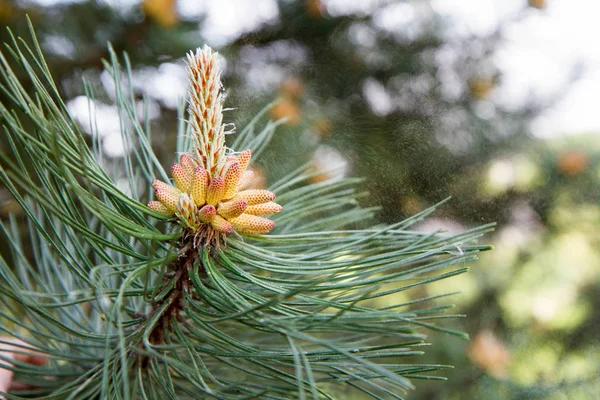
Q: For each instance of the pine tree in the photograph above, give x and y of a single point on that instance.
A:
(197, 294)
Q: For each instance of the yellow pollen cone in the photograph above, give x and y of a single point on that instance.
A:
(187, 163)
(244, 159)
(168, 195)
(232, 177)
(158, 207)
(232, 209)
(264, 209)
(255, 196)
(252, 224)
(199, 186)
(180, 177)
(221, 224)
(215, 191)
(207, 213)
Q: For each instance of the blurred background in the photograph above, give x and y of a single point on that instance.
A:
(492, 102)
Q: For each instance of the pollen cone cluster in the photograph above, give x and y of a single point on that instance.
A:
(208, 195)
(221, 202)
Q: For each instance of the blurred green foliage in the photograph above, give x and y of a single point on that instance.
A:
(377, 98)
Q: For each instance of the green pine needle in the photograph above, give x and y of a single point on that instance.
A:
(293, 314)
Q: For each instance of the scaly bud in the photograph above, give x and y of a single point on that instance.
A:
(221, 224)
(232, 177)
(232, 209)
(158, 207)
(255, 196)
(207, 213)
(181, 177)
(252, 224)
(168, 195)
(215, 191)
(264, 209)
(199, 186)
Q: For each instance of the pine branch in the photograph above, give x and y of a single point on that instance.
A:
(198, 295)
